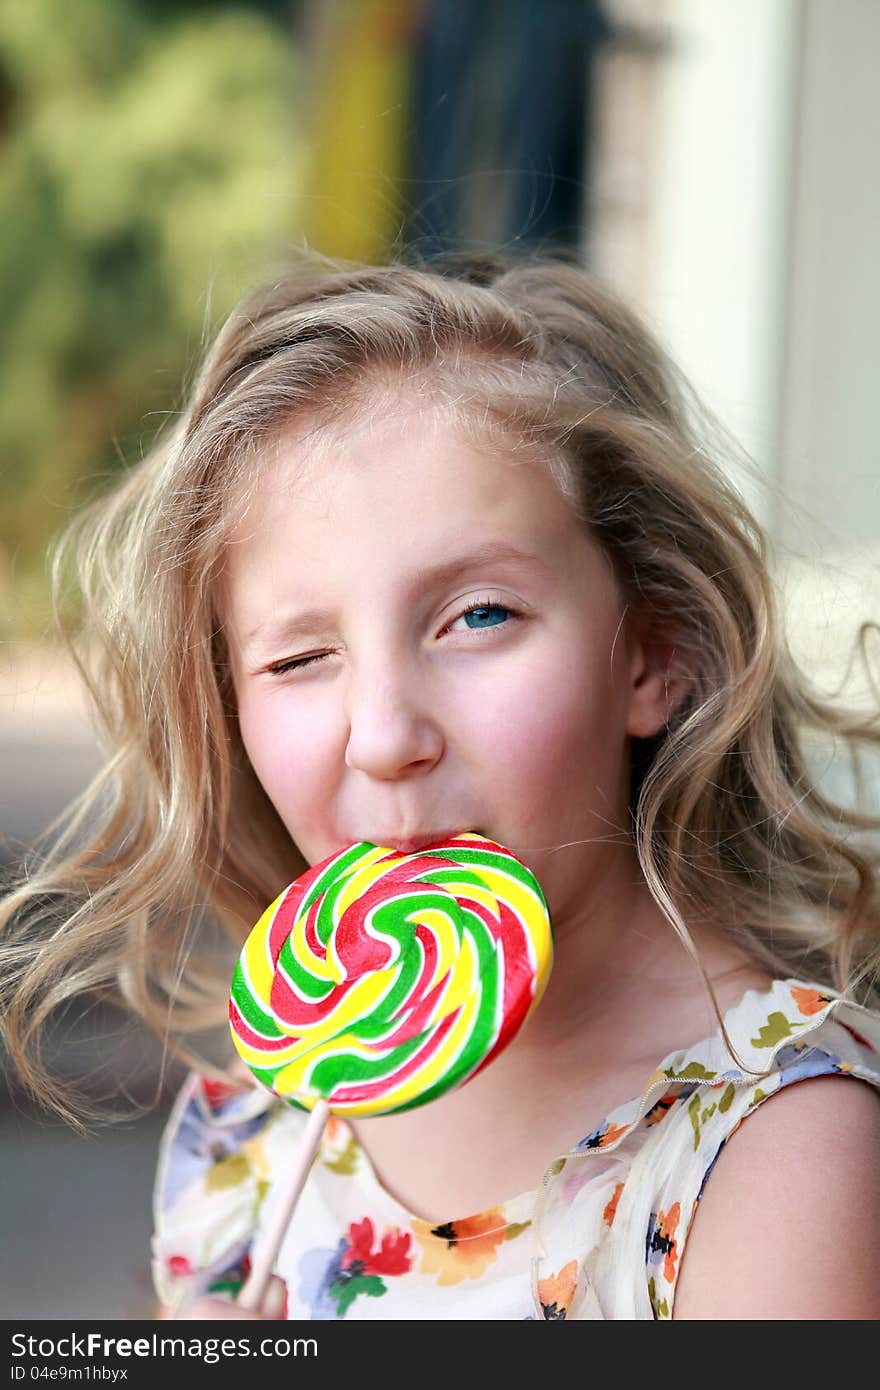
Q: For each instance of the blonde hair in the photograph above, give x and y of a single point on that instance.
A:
(175, 837)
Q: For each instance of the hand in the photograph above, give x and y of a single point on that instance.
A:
(208, 1309)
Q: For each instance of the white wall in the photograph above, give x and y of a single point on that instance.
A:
(717, 245)
(738, 205)
(830, 456)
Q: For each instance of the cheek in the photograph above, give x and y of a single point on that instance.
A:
(553, 737)
(285, 751)
(556, 751)
(548, 713)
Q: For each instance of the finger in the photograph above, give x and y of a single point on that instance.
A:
(219, 1309)
(273, 1307)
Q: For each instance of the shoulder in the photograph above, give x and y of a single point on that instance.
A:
(752, 1164)
(789, 1225)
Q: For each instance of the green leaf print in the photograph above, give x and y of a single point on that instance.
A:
(344, 1163)
(516, 1228)
(345, 1291)
(726, 1100)
(661, 1309)
(694, 1071)
(699, 1117)
(231, 1285)
(227, 1172)
(694, 1115)
(775, 1029)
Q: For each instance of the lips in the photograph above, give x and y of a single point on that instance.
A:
(423, 841)
(414, 843)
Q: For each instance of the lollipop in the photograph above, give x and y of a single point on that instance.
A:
(380, 980)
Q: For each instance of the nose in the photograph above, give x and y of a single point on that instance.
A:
(391, 726)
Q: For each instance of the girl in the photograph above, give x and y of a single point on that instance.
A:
(436, 547)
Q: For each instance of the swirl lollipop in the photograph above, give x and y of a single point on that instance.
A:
(379, 981)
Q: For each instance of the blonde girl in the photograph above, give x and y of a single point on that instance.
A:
(441, 546)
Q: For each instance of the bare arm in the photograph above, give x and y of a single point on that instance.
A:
(788, 1226)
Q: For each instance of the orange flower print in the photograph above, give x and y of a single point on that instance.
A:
(603, 1136)
(661, 1243)
(809, 1001)
(556, 1292)
(611, 1206)
(661, 1107)
(460, 1250)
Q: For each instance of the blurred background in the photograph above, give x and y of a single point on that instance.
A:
(714, 160)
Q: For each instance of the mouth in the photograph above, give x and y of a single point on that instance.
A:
(414, 843)
(423, 842)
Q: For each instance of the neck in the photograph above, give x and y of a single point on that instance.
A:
(622, 994)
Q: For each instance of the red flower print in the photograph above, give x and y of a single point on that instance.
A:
(392, 1257)
(216, 1092)
(862, 1042)
(178, 1265)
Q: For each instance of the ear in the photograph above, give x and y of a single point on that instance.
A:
(659, 681)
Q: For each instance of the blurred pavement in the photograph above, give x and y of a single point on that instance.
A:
(76, 1218)
(75, 1213)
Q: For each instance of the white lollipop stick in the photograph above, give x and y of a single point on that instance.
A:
(252, 1292)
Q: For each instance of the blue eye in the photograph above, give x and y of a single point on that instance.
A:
(482, 607)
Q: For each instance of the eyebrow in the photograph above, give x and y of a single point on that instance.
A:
(490, 553)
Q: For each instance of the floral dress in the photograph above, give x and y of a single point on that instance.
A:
(602, 1236)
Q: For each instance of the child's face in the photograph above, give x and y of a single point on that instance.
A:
(418, 720)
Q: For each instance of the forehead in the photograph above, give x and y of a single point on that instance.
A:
(409, 462)
(371, 506)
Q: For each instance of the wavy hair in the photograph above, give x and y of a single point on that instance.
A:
(174, 849)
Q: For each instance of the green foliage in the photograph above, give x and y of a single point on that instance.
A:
(149, 169)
